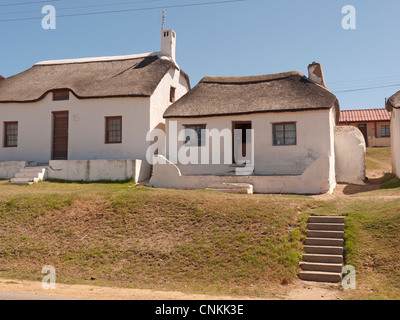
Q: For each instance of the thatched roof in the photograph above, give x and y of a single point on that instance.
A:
(87, 79)
(282, 92)
(393, 102)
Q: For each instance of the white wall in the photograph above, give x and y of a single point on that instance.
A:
(314, 139)
(95, 170)
(314, 180)
(350, 155)
(160, 98)
(86, 128)
(395, 141)
(10, 168)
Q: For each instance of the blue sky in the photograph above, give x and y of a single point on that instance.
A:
(232, 39)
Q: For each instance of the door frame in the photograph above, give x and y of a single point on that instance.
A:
(53, 114)
(234, 123)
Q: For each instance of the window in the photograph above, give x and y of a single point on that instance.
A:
(172, 94)
(60, 95)
(284, 134)
(385, 131)
(195, 136)
(10, 134)
(114, 129)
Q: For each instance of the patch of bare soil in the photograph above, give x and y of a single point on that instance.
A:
(103, 293)
(299, 290)
(305, 290)
(372, 183)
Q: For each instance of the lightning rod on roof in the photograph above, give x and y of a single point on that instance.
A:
(163, 19)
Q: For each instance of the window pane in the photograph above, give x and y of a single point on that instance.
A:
(195, 136)
(11, 135)
(290, 127)
(114, 127)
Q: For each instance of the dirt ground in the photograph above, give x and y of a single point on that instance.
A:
(299, 290)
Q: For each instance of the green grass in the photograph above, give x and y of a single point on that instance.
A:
(195, 241)
(390, 182)
(378, 158)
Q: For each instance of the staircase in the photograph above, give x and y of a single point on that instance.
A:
(242, 188)
(30, 175)
(323, 260)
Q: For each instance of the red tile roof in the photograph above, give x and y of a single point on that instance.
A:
(366, 115)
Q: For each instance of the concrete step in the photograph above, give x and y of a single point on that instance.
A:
(326, 226)
(27, 175)
(318, 276)
(324, 250)
(242, 188)
(325, 234)
(323, 258)
(325, 242)
(21, 181)
(32, 170)
(326, 219)
(324, 267)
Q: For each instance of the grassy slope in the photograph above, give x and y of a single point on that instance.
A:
(191, 240)
(197, 241)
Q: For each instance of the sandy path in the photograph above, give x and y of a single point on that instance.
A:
(299, 290)
(103, 293)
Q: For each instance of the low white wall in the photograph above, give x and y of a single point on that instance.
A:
(95, 170)
(350, 155)
(314, 180)
(8, 169)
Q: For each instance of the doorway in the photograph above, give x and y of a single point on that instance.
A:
(60, 136)
(363, 129)
(242, 143)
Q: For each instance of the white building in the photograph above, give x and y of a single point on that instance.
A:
(291, 148)
(87, 109)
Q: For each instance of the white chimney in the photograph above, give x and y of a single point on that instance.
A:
(168, 43)
(315, 73)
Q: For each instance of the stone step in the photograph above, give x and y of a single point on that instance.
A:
(21, 181)
(323, 267)
(326, 226)
(325, 242)
(27, 175)
(324, 249)
(323, 258)
(325, 234)
(326, 219)
(237, 191)
(242, 188)
(33, 170)
(319, 276)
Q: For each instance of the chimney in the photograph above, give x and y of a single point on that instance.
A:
(168, 43)
(315, 73)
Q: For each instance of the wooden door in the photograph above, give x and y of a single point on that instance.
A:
(60, 136)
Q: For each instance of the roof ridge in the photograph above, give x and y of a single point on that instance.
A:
(249, 79)
(98, 59)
